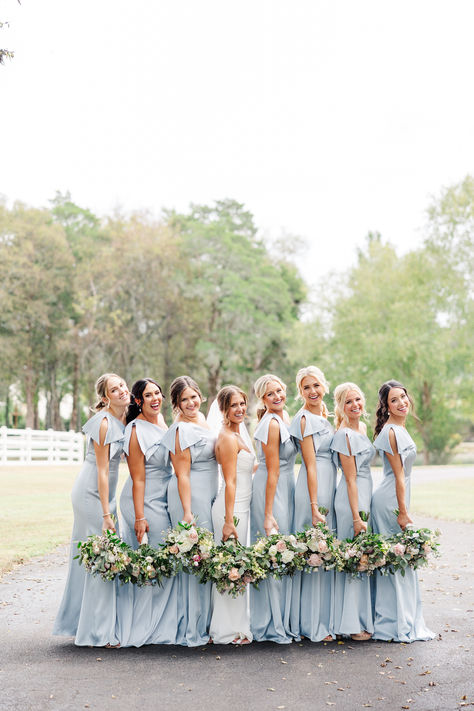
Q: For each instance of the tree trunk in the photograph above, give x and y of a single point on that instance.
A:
(29, 393)
(75, 414)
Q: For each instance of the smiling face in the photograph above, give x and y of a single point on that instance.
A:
(151, 401)
(353, 405)
(275, 397)
(189, 403)
(398, 403)
(237, 408)
(312, 391)
(117, 393)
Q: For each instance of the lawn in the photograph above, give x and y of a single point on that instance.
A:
(36, 514)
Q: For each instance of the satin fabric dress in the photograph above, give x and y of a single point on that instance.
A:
(270, 604)
(89, 604)
(352, 596)
(230, 616)
(194, 598)
(398, 612)
(149, 614)
(311, 604)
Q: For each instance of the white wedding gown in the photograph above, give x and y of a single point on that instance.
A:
(230, 616)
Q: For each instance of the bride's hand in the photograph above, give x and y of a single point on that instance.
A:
(229, 531)
(270, 525)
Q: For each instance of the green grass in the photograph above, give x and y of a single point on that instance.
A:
(36, 513)
(452, 499)
(35, 510)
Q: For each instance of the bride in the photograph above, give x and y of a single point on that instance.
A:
(230, 617)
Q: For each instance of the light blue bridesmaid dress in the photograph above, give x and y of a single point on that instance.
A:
(398, 613)
(148, 615)
(194, 599)
(311, 604)
(352, 596)
(88, 607)
(270, 604)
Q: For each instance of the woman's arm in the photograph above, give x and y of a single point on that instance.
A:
(271, 451)
(397, 467)
(309, 458)
(181, 461)
(136, 467)
(228, 451)
(349, 470)
(102, 458)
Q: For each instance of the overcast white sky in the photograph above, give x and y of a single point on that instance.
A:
(326, 118)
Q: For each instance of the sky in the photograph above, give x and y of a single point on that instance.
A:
(326, 118)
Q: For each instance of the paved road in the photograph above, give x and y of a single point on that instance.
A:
(40, 672)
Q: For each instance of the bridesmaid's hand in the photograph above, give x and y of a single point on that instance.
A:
(317, 516)
(108, 524)
(188, 518)
(359, 526)
(229, 531)
(403, 520)
(270, 524)
(141, 527)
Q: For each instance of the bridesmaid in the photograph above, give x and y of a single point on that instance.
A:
(147, 615)
(311, 605)
(191, 493)
(353, 453)
(88, 607)
(230, 619)
(398, 613)
(271, 508)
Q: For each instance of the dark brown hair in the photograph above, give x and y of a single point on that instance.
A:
(382, 413)
(138, 388)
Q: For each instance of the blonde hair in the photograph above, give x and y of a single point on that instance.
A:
(317, 373)
(101, 390)
(260, 389)
(340, 395)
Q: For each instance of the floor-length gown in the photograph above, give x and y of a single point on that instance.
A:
(148, 615)
(230, 616)
(352, 596)
(311, 604)
(194, 598)
(398, 613)
(88, 606)
(270, 604)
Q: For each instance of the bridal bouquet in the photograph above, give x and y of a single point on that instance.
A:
(187, 547)
(231, 567)
(412, 548)
(280, 554)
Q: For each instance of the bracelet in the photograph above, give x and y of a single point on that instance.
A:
(107, 514)
(140, 519)
(357, 519)
(313, 503)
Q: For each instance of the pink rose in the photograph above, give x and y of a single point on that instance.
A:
(196, 558)
(399, 549)
(314, 560)
(234, 574)
(174, 549)
(247, 579)
(193, 535)
(323, 547)
(281, 546)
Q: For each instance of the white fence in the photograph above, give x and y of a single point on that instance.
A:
(40, 446)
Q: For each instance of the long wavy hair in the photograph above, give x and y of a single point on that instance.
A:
(136, 399)
(382, 412)
(101, 390)
(317, 373)
(178, 386)
(224, 397)
(260, 388)
(340, 396)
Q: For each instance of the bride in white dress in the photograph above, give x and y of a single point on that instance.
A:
(230, 620)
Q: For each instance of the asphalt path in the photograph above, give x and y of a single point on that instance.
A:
(42, 672)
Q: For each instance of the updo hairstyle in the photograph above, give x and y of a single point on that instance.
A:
(101, 390)
(178, 386)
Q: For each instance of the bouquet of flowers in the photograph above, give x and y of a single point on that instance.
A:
(187, 547)
(366, 553)
(106, 555)
(280, 554)
(321, 547)
(231, 567)
(412, 548)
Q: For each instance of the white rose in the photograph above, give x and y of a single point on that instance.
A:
(287, 556)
